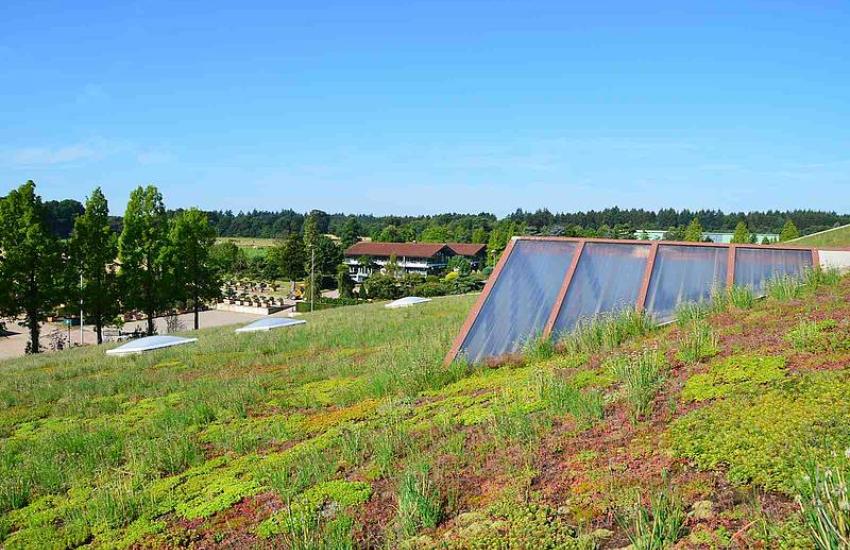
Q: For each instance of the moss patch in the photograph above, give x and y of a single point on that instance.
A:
(766, 438)
(736, 374)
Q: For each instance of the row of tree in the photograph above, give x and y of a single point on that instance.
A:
(159, 261)
(477, 228)
(693, 232)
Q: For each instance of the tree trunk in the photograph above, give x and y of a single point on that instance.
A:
(98, 328)
(34, 333)
(197, 324)
(150, 323)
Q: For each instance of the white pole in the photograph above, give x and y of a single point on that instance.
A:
(81, 309)
(312, 276)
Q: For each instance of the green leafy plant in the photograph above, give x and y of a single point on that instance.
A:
(317, 518)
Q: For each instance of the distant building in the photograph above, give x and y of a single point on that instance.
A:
(714, 236)
(419, 258)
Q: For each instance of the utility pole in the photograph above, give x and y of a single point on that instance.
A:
(81, 311)
(312, 276)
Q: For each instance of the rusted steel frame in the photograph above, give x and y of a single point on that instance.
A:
(479, 304)
(730, 265)
(562, 293)
(647, 275)
(782, 246)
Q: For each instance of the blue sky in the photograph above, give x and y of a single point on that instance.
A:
(424, 107)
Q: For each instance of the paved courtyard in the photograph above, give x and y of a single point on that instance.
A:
(15, 344)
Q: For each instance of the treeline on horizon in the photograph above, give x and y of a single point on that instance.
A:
(477, 227)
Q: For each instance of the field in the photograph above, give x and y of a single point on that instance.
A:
(348, 432)
(253, 246)
(839, 236)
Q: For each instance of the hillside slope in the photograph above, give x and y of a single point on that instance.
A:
(347, 432)
(840, 236)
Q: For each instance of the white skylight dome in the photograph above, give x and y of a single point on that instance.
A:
(269, 323)
(149, 343)
(407, 302)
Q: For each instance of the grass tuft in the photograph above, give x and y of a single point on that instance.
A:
(784, 288)
(658, 526)
(563, 397)
(641, 376)
(824, 498)
(697, 342)
(819, 277)
(419, 502)
(607, 332)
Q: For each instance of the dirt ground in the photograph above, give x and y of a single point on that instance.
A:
(15, 343)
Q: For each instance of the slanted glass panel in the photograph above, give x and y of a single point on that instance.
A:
(684, 274)
(521, 299)
(755, 266)
(607, 279)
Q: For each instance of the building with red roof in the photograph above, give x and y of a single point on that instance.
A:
(364, 258)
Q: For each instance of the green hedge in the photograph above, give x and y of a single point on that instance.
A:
(326, 303)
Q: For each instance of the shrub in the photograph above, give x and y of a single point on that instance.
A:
(419, 502)
(323, 302)
(429, 289)
(736, 374)
(697, 342)
(658, 526)
(824, 498)
(607, 331)
(641, 375)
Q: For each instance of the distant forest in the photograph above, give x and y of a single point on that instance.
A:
(477, 227)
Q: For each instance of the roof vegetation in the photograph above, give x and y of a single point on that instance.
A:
(349, 432)
(840, 236)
